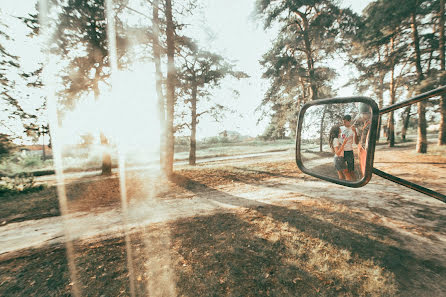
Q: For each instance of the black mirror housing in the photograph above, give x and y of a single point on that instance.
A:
(315, 116)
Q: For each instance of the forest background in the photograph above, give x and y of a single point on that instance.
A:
(103, 50)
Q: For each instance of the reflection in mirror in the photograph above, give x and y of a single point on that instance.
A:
(334, 140)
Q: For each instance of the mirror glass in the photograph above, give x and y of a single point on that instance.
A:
(334, 139)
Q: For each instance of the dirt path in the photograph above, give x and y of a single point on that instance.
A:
(410, 213)
(221, 228)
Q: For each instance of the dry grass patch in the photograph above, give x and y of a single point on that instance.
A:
(100, 193)
(335, 268)
(310, 247)
(265, 251)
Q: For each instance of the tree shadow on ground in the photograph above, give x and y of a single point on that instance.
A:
(406, 209)
(268, 173)
(256, 249)
(414, 275)
(221, 255)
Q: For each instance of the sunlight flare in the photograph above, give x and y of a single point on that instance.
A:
(48, 78)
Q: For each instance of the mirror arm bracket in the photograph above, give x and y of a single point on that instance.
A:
(410, 185)
(403, 182)
(421, 97)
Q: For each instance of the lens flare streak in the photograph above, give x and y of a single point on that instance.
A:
(48, 80)
(111, 36)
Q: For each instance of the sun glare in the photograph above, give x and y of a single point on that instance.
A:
(127, 114)
(134, 121)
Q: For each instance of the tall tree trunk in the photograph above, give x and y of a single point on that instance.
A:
(106, 157)
(171, 76)
(391, 129)
(442, 132)
(159, 86)
(321, 132)
(309, 54)
(390, 119)
(43, 147)
(293, 124)
(422, 128)
(380, 101)
(406, 119)
(193, 127)
(422, 124)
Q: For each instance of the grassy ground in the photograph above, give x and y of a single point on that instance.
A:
(230, 149)
(257, 252)
(83, 159)
(298, 247)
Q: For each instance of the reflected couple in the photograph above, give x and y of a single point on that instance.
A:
(345, 141)
(341, 140)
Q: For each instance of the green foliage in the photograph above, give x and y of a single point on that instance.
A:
(385, 43)
(274, 132)
(17, 164)
(217, 140)
(9, 68)
(397, 51)
(296, 65)
(31, 161)
(182, 140)
(201, 72)
(23, 183)
(81, 36)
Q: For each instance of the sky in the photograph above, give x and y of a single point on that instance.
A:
(240, 38)
(236, 36)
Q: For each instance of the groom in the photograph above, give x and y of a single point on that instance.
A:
(349, 131)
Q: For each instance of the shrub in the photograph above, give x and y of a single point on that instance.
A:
(215, 140)
(22, 183)
(31, 161)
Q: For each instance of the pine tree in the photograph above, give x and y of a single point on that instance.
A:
(81, 37)
(297, 64)
(202, 71)
(9, 63)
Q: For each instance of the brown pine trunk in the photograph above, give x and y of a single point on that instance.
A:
(406, 118)
(442, 131)
(391, 129)
(321, 132)
(193, 127)
(380, 102)
(309, 54)
(159, 86)
(390, 120)
(106, 157)
(422, 128)
(43, 147)
(293, 125)
(422, 124)
(170, 102)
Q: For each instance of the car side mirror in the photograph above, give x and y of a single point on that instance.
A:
(335, 139)
(324, 126)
